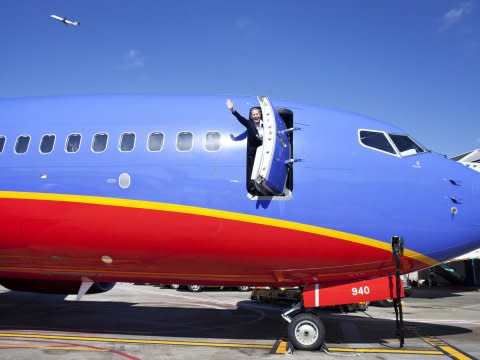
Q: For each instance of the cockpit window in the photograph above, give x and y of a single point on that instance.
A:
(376, 140)
(2, 143)
(405, 145)
(395, 144)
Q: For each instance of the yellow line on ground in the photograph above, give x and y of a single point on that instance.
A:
(51, 348)
(135, 341)
(281, 348)
(388, 351)
(445, 348)
(454, 352)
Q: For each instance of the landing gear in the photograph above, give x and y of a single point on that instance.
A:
(397, 251)
(306, 332)
(305, 329)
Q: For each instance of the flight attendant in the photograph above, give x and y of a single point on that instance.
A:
(254, 125)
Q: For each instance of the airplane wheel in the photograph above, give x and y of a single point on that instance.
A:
(194, 288)
(243, 288)
(306, 332)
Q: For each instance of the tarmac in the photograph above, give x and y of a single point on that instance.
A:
(148, 322)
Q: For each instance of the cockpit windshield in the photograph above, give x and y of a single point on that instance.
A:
(405, 145)
(376, 140)
(393, 144)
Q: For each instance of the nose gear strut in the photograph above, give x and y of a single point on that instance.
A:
(397, 251)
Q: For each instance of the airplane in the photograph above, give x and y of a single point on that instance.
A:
(65, 20)
(470, 159)
(98, 189)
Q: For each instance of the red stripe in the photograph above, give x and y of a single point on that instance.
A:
(63, 240)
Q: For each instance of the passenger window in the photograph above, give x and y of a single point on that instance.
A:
(99, 143)
(2, 143)
(47, 143)
(185, 141)
(21, 146)
(127, 142)
(73, 143)
(376, 140)
(212, 141)
(155, 141)
(406, 145)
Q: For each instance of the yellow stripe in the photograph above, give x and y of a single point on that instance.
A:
(453, 352)
(134, 341)
(445, 348)
(221, 214)
(282, 346)
(12, 347)
(388, 351)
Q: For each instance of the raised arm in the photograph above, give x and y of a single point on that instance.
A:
(230, 105)
(239, 117)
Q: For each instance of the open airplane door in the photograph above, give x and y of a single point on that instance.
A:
(271, 166)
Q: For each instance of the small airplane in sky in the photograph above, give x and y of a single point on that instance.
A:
(65, 20)
(146, 188)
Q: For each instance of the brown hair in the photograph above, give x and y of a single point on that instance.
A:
(255, 108)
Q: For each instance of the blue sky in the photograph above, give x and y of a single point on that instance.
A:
(415, 64)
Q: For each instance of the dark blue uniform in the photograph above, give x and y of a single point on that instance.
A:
(253, 142)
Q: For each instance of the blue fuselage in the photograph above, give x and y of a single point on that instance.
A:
(431, 202)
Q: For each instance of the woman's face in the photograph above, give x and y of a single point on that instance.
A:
(256, 116)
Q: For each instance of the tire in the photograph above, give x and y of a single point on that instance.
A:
(306, 332)
(174, 286)
(101, 287)
(243, 288)
(194, 288)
